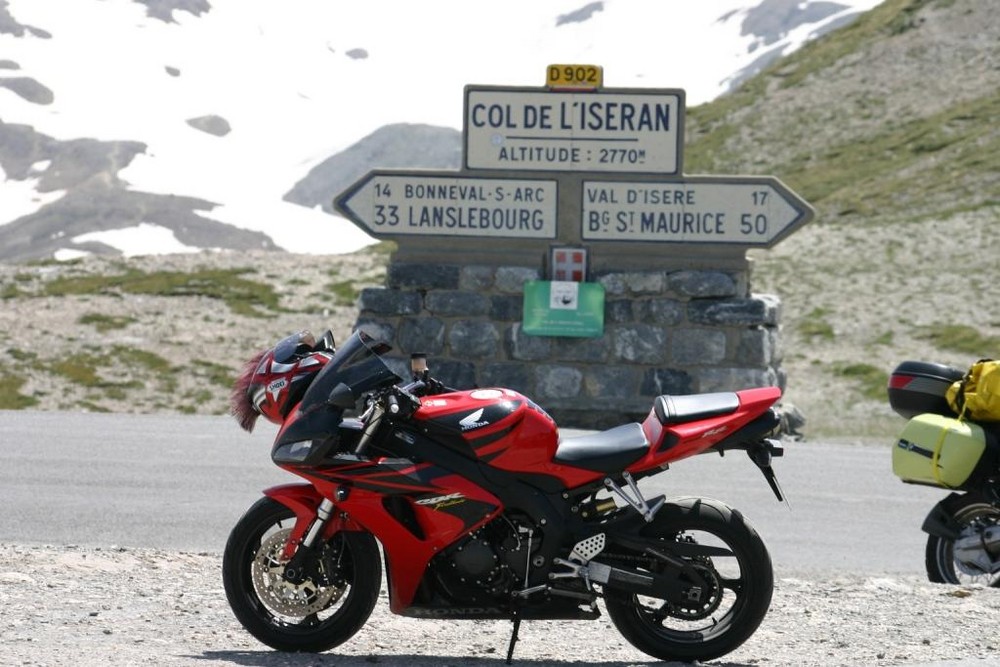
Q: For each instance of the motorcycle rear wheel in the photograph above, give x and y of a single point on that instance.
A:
(313, 616)
(742, 586)
(973, 514)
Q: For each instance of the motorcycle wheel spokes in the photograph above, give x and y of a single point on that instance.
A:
(945, 566)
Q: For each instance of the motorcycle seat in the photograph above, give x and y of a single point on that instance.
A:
(607, 451)
(692, 407)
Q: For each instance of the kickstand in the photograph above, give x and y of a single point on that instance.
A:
(513, 638)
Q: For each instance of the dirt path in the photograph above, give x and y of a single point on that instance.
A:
(90, 607)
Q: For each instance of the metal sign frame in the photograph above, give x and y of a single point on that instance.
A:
(608, 130)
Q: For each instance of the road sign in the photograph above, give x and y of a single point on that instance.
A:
(743, 210)
(605, 130)
(574, 77)
(389, 204)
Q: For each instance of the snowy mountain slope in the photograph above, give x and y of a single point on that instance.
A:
(231, 123)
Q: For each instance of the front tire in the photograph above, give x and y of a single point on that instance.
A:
(729, 613)
(322, 612)
(973, 514)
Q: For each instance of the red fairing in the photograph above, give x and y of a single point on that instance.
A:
(446, 507)
(505, 429)
(303, 499)
(694, 437)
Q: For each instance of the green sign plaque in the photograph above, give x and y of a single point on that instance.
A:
(563, 308)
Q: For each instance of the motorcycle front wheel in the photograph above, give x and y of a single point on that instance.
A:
(321, 612)
(725, 615)
(971, 565)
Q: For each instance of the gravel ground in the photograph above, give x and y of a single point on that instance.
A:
(94, 607)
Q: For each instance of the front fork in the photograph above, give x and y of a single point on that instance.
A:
(315, 518)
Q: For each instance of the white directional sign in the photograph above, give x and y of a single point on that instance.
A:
(607, 130)
(743, 210)
(388, 204)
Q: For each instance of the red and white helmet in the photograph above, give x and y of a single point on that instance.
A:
(274, 380)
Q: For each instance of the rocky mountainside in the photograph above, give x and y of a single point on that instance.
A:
(244, 147)
(887, 126)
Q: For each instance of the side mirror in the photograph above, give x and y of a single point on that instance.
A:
(341, 397)
(326, 342)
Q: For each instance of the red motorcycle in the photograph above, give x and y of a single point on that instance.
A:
(484, 512)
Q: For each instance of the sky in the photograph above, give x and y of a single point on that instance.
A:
(292, 86)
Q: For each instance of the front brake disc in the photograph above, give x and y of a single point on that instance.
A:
(282, 596)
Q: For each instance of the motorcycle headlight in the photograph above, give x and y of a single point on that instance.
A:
(292, 452)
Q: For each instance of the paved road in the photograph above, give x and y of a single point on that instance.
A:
(181, 482)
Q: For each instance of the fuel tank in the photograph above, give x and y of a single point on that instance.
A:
(498, 426)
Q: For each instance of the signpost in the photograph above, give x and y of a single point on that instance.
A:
(614, 159)
(565, 191)
(388, 204)
(606, 130)
(743, 210)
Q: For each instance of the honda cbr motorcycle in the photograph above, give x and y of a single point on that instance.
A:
(963, 529)
(483, 511)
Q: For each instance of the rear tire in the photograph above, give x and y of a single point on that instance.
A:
(973, 514)
(314, 615)
(739, 595)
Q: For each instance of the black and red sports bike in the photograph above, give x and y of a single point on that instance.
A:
(484, 512)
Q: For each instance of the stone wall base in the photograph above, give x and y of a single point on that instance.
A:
(665, 332)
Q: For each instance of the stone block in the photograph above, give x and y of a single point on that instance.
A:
(590, 350)
(758, 346)
(522, 347)
(422, 276)
(558, 381)
(669, 312)
(614, 284)
(378, 329)
(507, 307)
(618, 311)
(389, 301)
(754, 311)
(456, 303)
(519, 377)
(640, 343)
(473, 339)
(425, 334)
(702, 284)
(610, 382)
(645, 282)
(660, 381)
(512, 278)
(697, 347)
(475, 278)
(455, 374)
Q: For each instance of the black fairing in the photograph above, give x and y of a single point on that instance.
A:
(355, 368)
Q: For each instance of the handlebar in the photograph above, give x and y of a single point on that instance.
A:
(396, 401)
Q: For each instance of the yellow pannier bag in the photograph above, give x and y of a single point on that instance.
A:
(977, 395)
(938, 450)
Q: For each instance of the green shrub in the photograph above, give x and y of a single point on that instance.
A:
(10, 397)
(815, 326)
(104, 323)
(871, 380)
(243, 296)
(960, 338)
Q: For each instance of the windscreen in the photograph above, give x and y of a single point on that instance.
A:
(355, 368)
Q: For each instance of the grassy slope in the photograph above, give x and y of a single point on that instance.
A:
(888, 127)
